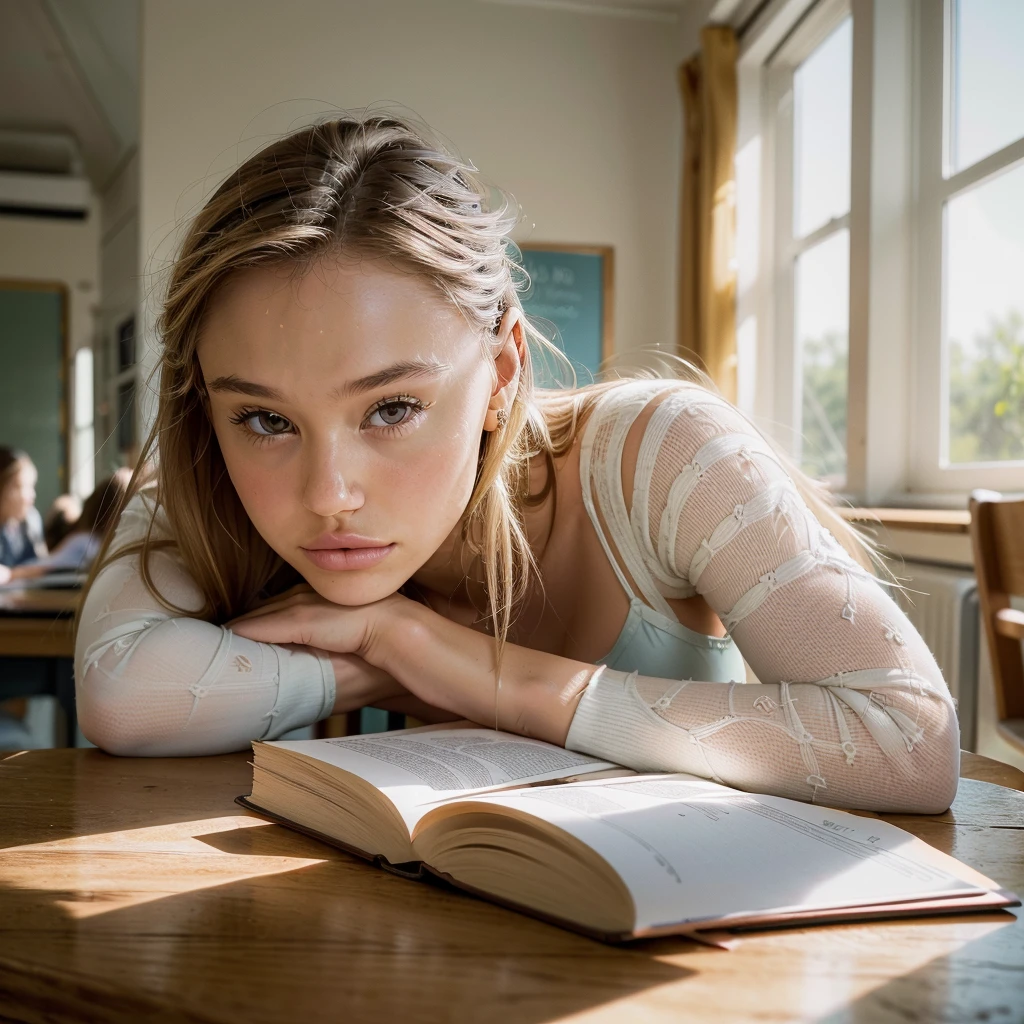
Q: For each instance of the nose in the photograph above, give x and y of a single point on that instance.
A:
(328, 489)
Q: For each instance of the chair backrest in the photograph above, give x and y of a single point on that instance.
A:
(997, 535)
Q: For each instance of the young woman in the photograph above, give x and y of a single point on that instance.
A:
(21, 527)
(346, 399)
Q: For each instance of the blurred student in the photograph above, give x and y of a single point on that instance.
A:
(78, 549)
(21, 526)
(60, 519)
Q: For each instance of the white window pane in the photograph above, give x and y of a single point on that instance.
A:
(822, 336)
(988, 78)
(83, 388)
(822, 92)
(748, 215)
(746, 364)
(985, 321)
(85, 459)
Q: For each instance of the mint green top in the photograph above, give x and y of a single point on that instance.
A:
(652, 641)
(654, 645)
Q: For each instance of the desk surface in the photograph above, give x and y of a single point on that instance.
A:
(136, 889)
(37, 623)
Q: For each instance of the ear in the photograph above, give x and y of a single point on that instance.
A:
(509, 356)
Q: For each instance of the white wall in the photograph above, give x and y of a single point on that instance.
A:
(578, 115)
(64, 251)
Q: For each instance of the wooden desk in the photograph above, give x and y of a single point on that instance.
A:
(37, 648)
(135, 889)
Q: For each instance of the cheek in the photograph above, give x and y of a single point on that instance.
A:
(264, 487)
(447, 473)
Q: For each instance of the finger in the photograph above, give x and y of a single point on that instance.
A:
(279, 626)
(326, 626)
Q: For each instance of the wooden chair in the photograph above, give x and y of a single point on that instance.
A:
(997, 535)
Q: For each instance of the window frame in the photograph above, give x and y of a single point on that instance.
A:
(899, 156)
(936, 184)
(786, 248)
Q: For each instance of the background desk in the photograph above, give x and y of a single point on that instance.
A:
(37, 649)
(135, 889)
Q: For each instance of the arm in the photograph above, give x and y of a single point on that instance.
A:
(155, 684)
(852, 709)
(26, 572)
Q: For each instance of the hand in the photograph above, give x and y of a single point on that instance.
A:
(5, 574)
(301, 616)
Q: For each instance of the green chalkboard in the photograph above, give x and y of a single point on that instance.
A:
(571, 287)
(32, 354)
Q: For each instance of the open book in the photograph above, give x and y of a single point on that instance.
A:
(594, 847)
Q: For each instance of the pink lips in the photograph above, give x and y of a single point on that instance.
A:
(337, 552)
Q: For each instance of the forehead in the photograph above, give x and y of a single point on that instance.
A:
(338, 317)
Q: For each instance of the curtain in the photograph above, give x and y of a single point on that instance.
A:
(707, 284)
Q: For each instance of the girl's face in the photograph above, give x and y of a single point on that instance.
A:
(349, 404)
(20, 493)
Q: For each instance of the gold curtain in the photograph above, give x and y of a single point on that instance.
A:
(707, 282)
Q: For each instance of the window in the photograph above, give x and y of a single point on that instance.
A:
(812, 98)
(889, 292)
(971, 245)
(83, 436)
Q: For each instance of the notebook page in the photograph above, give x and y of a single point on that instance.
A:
(691, 850)
(417, 770)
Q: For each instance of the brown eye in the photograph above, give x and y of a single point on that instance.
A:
(268, 423)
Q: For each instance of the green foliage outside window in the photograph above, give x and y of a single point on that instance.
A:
(986, 394)
(986, 399)
(825, 382)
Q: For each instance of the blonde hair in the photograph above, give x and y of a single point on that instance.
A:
(372, 186)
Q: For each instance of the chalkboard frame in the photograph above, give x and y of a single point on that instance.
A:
(14, 284)
(607, 254)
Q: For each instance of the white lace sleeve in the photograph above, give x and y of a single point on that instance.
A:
(155, 684)
(852, 710)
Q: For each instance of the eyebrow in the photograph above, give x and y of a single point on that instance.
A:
(398, 371)
(234, 383)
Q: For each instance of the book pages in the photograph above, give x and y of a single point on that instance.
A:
(417, 770)
(693, 851)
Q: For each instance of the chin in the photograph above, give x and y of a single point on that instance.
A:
(351, 590)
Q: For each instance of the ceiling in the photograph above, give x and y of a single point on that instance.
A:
(69, 68)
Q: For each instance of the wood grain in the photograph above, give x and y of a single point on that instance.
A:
(929, 520)
(37, 623)
(135, 889)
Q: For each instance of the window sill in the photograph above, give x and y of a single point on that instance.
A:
(924, 520)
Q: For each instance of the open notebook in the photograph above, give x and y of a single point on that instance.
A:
(594, 847)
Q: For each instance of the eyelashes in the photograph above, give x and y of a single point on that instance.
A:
(388, 417)
(407, 407)
(270, 424)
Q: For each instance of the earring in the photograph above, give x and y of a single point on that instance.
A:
(502, 418)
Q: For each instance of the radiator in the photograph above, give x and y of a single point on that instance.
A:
(942, 603)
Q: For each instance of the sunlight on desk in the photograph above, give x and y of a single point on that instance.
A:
(115, 870)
